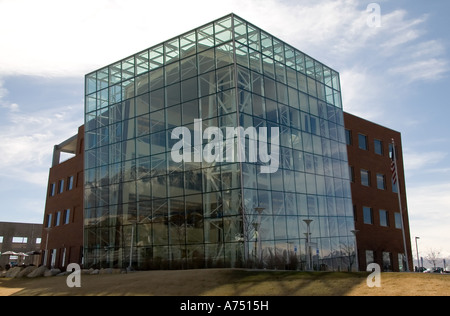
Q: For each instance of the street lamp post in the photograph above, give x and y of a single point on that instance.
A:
(355, 231)
(258, 253)
(418, 259)
(133, 222)
(308, 243)
(45, 259)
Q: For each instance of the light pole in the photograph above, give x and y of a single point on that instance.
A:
(418, 259)
(258, 253)
(308, 243)
(47, 229)
(133, 222)
(355, 231)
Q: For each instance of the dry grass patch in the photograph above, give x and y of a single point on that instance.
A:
(225, 282)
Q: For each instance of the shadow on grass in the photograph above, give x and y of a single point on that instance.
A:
(214, 282)
(288, 283)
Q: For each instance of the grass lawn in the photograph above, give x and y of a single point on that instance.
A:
(222, 282)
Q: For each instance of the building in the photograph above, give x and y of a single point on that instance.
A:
(62, 231)
(375, 200)
(156, 198)
(159, 195)
(22, 241)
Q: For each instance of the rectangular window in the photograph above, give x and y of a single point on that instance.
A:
(352, 173)
(365, 177)
(38, 240)
(58, 219)
(61, 186)
(70, 183)
(398, 221)
(63, 260)
(67, 216)
(53, 258)
(387, 265)
(20, 240)
(49, 220)
(1, 239)
(381, 181)
(384, 218)
(348, 137)
(378, 147)
(369, 257)
(52, 189)
(367, 213)
(362, 141)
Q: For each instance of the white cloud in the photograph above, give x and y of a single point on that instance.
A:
(28, 140)
(419, 160)
(427, 70)
(428, 206)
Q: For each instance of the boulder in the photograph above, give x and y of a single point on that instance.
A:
(52, 272)
(25, 272)
(38, 272)
(13, 272)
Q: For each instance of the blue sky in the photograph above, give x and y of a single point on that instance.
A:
(396, 75)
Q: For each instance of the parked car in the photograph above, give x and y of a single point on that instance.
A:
(433, 270)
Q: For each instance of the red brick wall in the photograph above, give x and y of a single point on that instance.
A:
(66, 236)
(375, 237)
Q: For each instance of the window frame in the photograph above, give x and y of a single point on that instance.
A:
(380, 146)
(368, 178)
(384, 215)
(383, 181)
(366, 208)
(366, 141)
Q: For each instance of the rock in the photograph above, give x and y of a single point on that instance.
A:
(38, 272)
(52, 272)
(96, 271)
(14, 272)
(25, 272)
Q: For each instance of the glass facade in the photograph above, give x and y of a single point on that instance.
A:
(145, 210)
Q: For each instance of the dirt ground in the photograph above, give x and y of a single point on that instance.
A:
(219, 282)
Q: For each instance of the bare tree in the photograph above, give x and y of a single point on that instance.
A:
(433, 256)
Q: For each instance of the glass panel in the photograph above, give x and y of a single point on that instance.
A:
(128, 68)
(102, 78)
(188, 67)
(205, 38)
(157, 79)
(172, 73)
(266, 43)
(188, 45)
(173, 95)
(91, 83)
(115, 73)
(223, 29)
(189, 90)
(309, 64)
(242, 55)
(142, 64)
(142, 84)
(224, 55)
(172, 51)
(156, 57)
(278, 49)
(225, 78)
(206, 61)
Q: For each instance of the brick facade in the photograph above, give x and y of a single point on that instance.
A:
(379, 233)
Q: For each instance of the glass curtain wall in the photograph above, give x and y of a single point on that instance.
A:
(146, 211)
